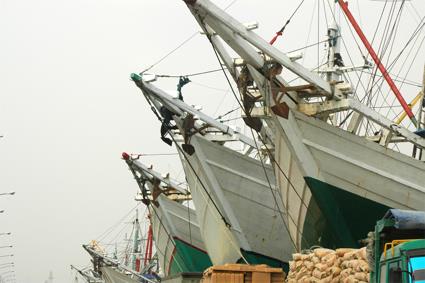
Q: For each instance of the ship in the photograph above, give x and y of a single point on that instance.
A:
(174, 226)
(336, 178)
(234, 193)
(324, 162)
(124, 265)
(325, 172)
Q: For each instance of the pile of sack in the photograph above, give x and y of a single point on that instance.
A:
(329, 266)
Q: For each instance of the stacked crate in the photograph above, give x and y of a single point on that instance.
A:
(243, 273)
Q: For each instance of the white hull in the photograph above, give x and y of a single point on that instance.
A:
(356, 165)
(239, 188)
(296, 195)
(172, 220)
(110, 275)
(308, 147)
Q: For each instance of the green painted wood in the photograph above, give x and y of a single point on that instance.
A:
(187, 258)
(255, 258)
(347, 217)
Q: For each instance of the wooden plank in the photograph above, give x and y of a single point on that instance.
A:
(261, 277)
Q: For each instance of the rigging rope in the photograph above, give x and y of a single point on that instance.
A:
(109, 230)
(189, 75)
(180, 45)
(169, 53)
(164, 253)
(243, 109)
(280, 32)
(203, 186)
(226, 223)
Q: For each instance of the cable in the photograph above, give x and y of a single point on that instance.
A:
(152, 154)
(241, 106)
(280, 32)
(164, 254)
(311, 45)
(227, 113)
(227, 224)
(202, 185)
(180, 45)
(104, 234)
(189, 75)
(271, 190)
(169, 53)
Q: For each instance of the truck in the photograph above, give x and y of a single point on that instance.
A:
(397, 247)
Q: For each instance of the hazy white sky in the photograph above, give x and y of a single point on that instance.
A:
(68, 110)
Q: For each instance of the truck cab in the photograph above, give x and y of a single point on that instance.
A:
(397, 250)
(404, 262)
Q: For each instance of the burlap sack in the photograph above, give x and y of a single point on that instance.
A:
(361, 254)
(361, 276)
(341, 252)
(335, 270)
(329, 259)
(349, 255)
(321, 266)
(345, 273)
(326, 279)
(309, 265)
(319, 274)
(320, 252)
(298, 264)
(350, 279)
(315, 259)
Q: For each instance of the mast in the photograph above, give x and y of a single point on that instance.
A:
(149, 242)
(334, 55)
(135, 264)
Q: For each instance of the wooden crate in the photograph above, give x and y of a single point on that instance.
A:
(243, 273)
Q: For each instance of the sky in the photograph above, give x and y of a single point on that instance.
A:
(68, 109)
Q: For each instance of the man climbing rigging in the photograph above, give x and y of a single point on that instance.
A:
(167, 115)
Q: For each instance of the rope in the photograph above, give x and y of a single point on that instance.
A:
(171, 240)
(280, 32)
(109, 230)
(227, 224)
(203, 186)
(189, 75)
(169, 53)
(180, 45)
(137, 155)
(241, 106)
(227, 113)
